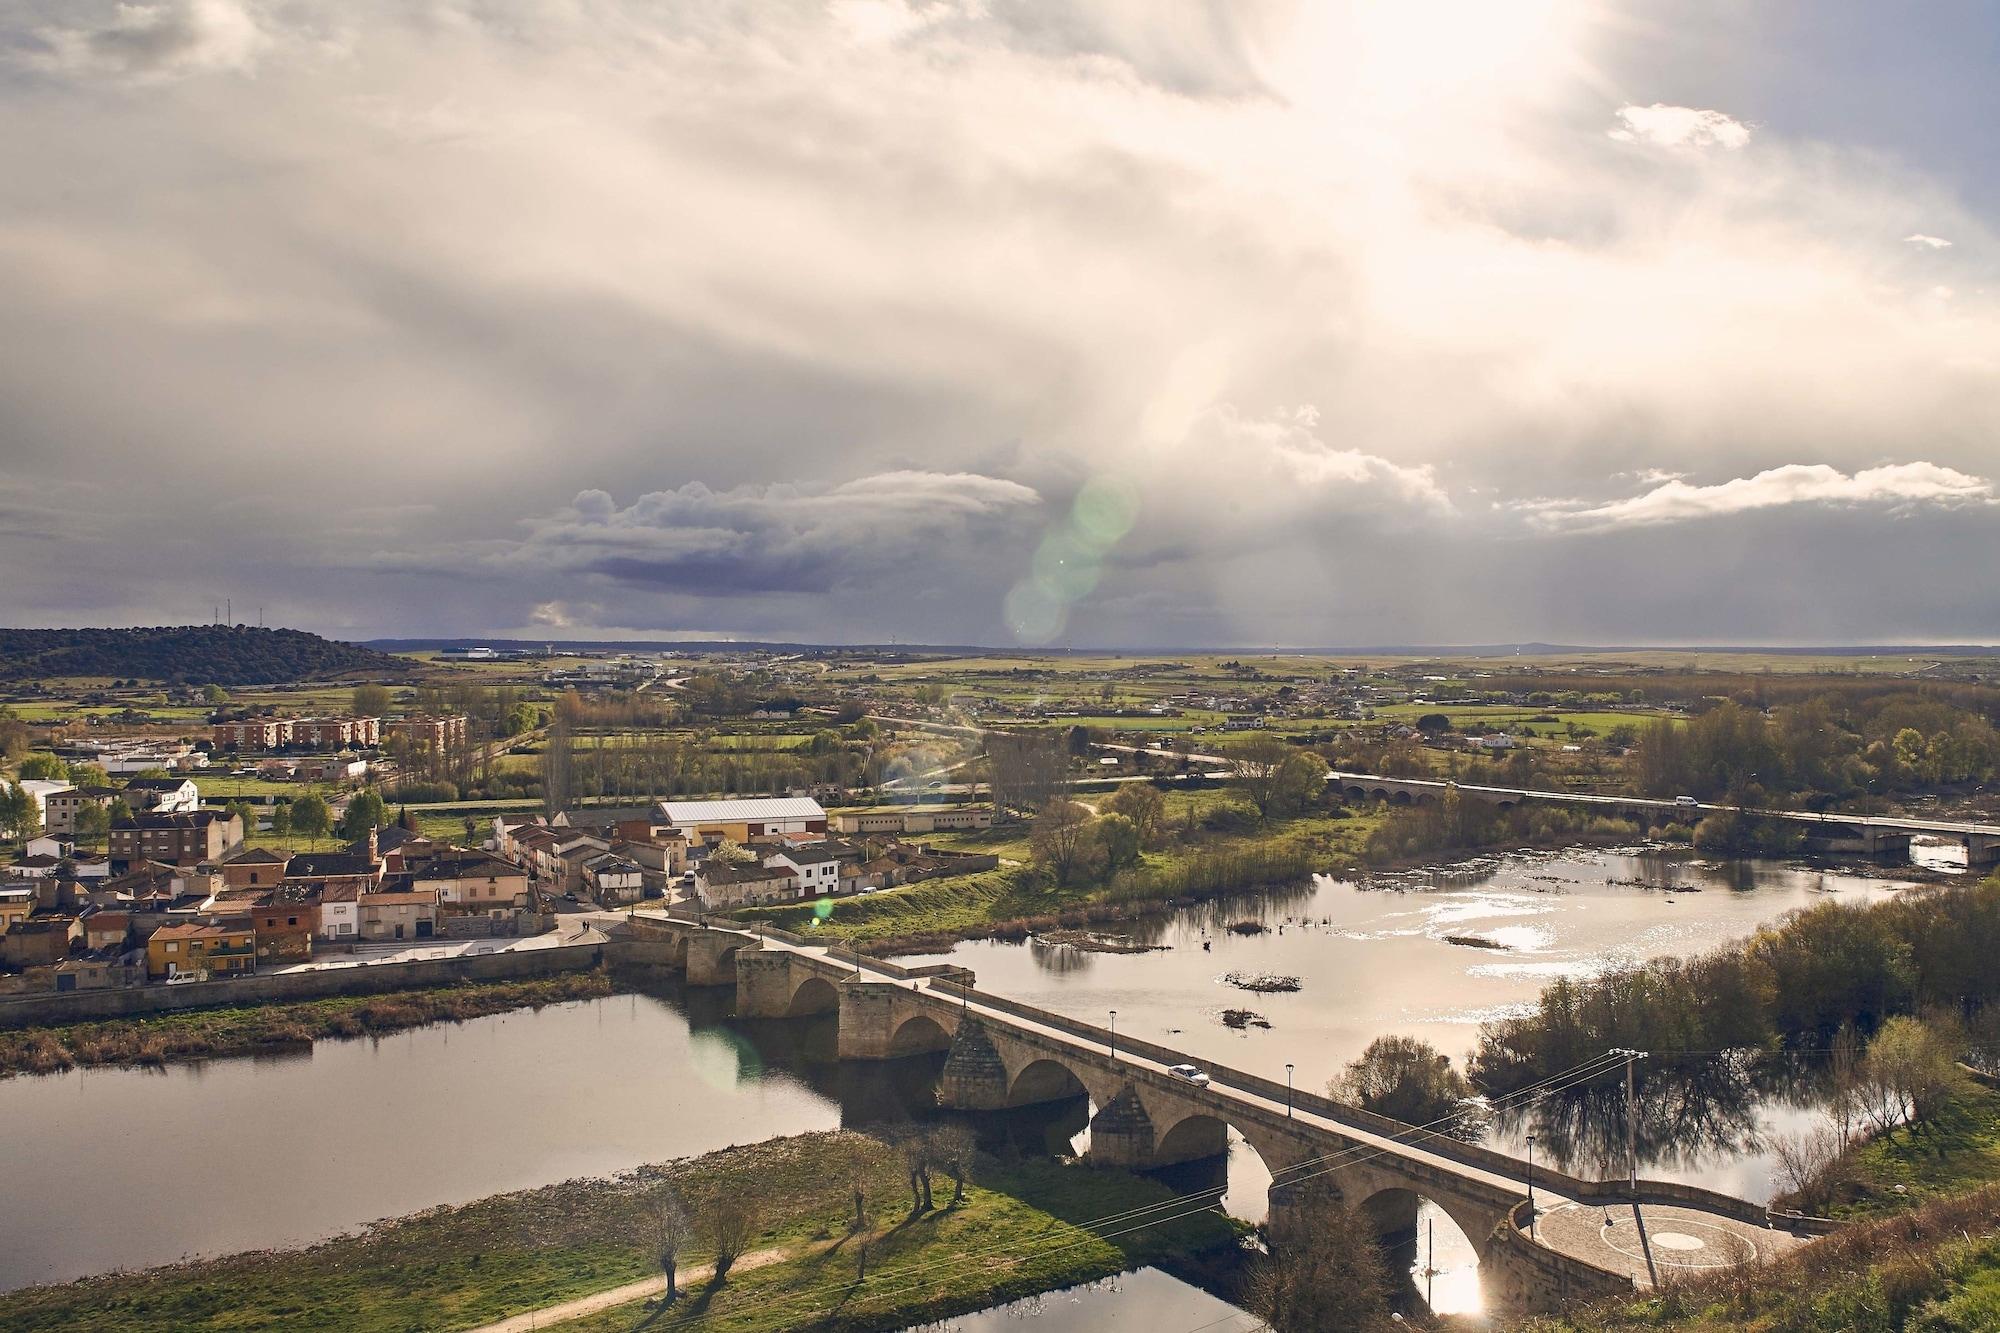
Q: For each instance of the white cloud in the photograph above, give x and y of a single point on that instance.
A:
(166, 40)
(1931, 242)
(1893, 485)
(1679, 127)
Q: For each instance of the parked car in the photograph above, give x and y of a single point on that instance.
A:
(1189, 1073)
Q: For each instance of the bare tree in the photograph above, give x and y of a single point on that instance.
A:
(914, 1147)
(1325, 1272)
(558, 765)
(1027, 769)
(953, 1147)
(731, 1220)
(1804, 1166)
(1061, 840)
(671, 1232)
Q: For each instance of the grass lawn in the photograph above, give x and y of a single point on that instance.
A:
(1955, 1150)
(460, 1267)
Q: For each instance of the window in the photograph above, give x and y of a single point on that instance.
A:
(173, 946)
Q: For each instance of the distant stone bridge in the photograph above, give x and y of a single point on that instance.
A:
(1885, 837)
(1001, 1054)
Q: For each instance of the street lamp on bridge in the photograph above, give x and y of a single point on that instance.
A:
(1114, 1034)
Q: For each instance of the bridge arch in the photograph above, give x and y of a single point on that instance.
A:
(1044, 1080)
(916, 1034)
(814, 995)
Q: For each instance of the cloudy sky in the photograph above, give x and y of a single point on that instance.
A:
(1102, 322)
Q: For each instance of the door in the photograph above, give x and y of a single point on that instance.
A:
(423, 930)
(399, 932)
(65, 981)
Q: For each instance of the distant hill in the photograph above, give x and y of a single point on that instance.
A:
(187, 654)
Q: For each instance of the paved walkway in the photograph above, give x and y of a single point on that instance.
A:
(644, 1289)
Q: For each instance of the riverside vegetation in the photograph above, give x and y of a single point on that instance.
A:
(244, 1030)
(819, 1201)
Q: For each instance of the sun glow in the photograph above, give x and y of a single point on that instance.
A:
(1397, 56)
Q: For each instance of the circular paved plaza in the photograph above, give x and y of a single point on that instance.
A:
(1657, 1238)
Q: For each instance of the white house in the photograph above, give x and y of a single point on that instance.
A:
(340, 912)
(39, 790)
(813, 866)
(162, 796)
(615, 880)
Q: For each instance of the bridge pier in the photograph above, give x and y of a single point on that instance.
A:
(1393, 1214)
(711, 958)
(1121, 1133)
(1982, 851)
(974, 1077)
(763, 984)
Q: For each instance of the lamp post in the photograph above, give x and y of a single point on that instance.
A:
(1531, 1187)
(1288, 1090)
(1114, 1034)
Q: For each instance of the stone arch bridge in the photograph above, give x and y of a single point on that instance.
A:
(1002, 1054)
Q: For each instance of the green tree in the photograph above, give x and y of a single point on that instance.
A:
(281, 821)
(1116, 841)
(311, 817)
(1142, 803)
(17, 812)
(89, 775)
(365, 811)
(92, 824)
(371, 700)
(45, 767)
(1407, 1080)
(214, 694)
(246, 812)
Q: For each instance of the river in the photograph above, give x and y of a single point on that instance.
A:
(287, 1150)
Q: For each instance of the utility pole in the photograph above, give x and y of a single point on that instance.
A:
(1632, 1059)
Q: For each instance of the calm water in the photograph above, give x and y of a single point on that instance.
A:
(1145, 1301)
(350, 1131)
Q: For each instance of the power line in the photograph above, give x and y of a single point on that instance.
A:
(1201, 1200)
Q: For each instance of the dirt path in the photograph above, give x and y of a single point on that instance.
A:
(625, 1295)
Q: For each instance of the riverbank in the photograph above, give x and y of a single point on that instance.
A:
(1020, 1228)
(253, 1029)
(1925, 1259)
(1211, 845)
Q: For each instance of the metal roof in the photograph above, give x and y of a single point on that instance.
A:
(739, 811)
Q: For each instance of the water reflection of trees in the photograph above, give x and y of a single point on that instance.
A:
(1688, 1116)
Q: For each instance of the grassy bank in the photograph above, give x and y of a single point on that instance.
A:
(1932, 1269)
(245, 1030)
(1215, 847)
(458, 1268)
(1954, 1150)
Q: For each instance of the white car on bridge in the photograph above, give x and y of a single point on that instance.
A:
(1190, 1074)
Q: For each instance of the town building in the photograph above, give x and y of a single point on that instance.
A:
(724, 886)
(613, 880)
(255, 868)
(256, 733)
(39, 790)
(39, 941)
(199, 950)
(176, 839)
(897, 819)
(162, 796)
(336, 733)
(433, 733)
(59, 809)
(284, 929)
(741, 819)
(399, 916)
